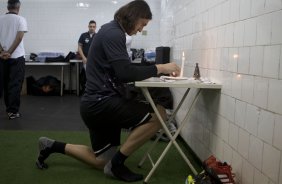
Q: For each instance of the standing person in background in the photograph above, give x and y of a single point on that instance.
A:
(84, 43)
(12, 30)
(1, 73)
(104, 107)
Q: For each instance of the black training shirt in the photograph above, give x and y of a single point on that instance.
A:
(85, 40)
(108, 64)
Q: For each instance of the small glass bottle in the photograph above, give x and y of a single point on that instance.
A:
(197, 75)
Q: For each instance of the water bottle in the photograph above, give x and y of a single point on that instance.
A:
(189, 180)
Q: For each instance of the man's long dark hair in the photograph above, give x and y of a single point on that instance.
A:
(129, 14)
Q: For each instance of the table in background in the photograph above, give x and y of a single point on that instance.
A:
(188, 84)
(77, 62)
(62, 64)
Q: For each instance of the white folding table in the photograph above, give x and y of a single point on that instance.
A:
(77, 62)
(188, 84)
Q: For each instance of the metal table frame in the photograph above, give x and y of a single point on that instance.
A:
(77, 62)
(188, 84)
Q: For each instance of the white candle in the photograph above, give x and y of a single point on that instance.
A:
(182, 64)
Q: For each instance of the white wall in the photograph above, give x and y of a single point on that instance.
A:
(237, 43)
(57, 25)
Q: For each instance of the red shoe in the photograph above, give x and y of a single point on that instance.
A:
(220, 172)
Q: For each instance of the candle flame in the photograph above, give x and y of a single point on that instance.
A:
(182, 64)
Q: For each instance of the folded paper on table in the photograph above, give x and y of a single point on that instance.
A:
(173, 78)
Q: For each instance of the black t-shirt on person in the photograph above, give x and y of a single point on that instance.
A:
(109, 67)
(85, 40)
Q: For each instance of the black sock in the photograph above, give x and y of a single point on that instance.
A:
(120, 171)
(118, 159)
(57, 147)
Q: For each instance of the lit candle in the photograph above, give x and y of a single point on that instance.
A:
(182, 64)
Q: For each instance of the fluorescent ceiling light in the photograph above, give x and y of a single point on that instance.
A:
(82, 5)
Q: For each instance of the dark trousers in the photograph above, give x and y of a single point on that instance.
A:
(1, 78)
(13, 77)
(82, 78)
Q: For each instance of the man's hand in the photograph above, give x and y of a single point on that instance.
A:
(5, 55)
(169, 68)
(84, 60)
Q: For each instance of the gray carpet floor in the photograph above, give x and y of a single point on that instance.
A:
(45, 113)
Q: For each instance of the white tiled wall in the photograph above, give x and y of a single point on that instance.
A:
(57, 25)
(239, 44)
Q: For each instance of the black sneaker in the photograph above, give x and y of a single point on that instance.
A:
(13, 115)
(121, 172)
(44, 149)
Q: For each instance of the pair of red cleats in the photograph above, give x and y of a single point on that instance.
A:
(218, 171)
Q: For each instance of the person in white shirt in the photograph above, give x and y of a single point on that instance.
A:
(12, 30)
(1, 73)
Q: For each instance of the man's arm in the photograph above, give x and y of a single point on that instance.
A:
(17, 41)
(4, 54)
(80, 51)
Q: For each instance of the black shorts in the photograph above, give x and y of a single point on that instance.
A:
(106, 118)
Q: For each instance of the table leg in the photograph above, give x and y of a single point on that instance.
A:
(147, 154)
(172, 138)
(77, 79)
(70, 78)
(62, 80)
